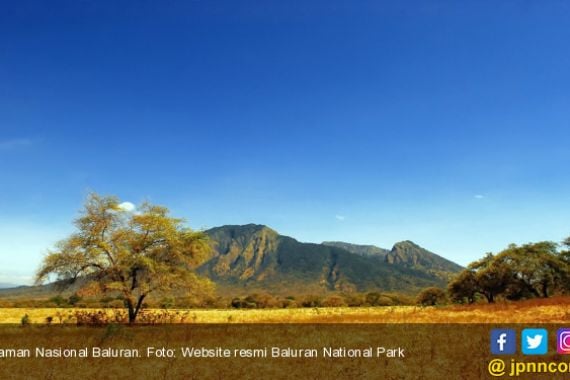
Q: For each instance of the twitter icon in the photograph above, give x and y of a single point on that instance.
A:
(534, 341)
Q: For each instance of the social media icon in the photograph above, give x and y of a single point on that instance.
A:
(534, 341)
(563, 341)
(503, 341)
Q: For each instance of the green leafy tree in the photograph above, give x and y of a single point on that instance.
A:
(134, 253)
(73, 299)
(492, 276)
(526, 271)
(432, 296)
(537, 269)
(463, 288)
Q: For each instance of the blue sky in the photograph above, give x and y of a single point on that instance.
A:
(446, 123)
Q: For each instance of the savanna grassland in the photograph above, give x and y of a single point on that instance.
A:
(439, 342)
(550, 310)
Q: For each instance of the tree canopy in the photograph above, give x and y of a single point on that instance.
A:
(431, 296)
(132, 252)
(518, 272)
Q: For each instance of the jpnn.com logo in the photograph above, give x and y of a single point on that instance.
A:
(503, 342)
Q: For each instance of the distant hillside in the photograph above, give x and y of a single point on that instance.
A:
(4, 285)
(256, 258)
(363, 250)
(405, 253)
(411, 255)
(35, 292)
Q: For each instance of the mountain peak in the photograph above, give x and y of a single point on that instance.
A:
(241, 229)
(410, 254)
(242, 252)
(405, 244)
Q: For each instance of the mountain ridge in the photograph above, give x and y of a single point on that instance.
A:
(254, 257)
(5, 285)
(359, 249)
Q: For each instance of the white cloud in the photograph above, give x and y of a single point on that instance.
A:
(127, 206)
(11, 144)
(340, 218)
(479, 196)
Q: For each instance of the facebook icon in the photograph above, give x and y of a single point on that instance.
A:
(503, 341)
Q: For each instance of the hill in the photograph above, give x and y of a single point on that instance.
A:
(256, 258)
(407, 254)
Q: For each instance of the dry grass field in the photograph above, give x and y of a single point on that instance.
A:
(552, 310)
(432, 351)
(428, 356)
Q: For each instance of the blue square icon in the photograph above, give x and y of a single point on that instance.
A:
(503, 341)
(534, 341)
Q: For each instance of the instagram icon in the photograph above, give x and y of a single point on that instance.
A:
(563, 341)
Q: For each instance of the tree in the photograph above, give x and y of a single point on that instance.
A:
(463, 288)
(537, 269)
(334, 300)
(431, 296)
(518, 272)
(492, 276)
(134, 253)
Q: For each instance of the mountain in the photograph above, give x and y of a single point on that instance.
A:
(4, 285)
(254, 257)
(363, 250)
(409, 254)
(405, 253)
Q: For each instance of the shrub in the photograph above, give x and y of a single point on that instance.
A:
(58, 300)
(333, 301)
(354, 299)
(25, 321)
(432, 296)
(73, 299)
(311, 301)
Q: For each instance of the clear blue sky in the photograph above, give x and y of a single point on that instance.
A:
(442, 122)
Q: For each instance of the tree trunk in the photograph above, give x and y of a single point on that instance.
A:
(533, 290)
(139, 306)
(132, 312)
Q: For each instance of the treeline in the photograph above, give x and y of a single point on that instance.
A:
(264, 300)
(535, 270)
(253, 301)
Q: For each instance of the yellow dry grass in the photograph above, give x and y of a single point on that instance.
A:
(554, 310)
